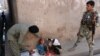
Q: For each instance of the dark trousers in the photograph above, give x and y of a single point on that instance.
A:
(2, 47)
(56, 49)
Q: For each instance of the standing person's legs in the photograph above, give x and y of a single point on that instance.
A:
(90, 43)
(80, 36)
(79, 39)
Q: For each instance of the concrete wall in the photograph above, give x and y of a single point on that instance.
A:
(55, 18)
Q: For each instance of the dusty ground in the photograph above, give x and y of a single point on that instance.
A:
(81, 50)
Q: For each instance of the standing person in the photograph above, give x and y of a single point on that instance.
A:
(2, 29)
(22, 37)
(87, 27)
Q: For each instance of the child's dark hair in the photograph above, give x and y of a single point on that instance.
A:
(92, 3)
(33, 29)
(39, 42)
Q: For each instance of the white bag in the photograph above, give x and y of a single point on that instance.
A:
(27, 53)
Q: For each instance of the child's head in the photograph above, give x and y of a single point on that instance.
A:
(90, 5)
(41, 41)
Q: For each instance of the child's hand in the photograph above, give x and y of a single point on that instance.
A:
(60, 50)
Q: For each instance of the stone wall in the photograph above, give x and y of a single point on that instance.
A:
(55, 18)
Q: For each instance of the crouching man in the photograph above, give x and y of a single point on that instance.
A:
(22, 38)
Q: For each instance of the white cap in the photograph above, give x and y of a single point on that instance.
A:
(56, 42)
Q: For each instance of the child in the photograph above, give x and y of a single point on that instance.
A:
(41, 47)
(54, 47)
(50, 49)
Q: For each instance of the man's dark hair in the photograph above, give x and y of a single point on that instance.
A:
(33, 29)
(92, 3)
